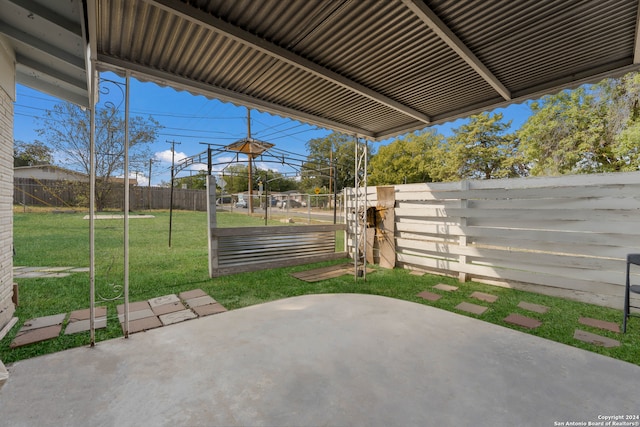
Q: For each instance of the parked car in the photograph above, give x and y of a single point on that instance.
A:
(225, 200)
(290, 204)
(241, 204)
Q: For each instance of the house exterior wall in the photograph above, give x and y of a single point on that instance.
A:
(7, 98)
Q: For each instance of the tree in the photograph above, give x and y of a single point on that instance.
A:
(31, 154)
(481, 149)
(236, 179)
(411, 159)
(565, 134)
(66, 128)
(194, 182)
(335, 148)
(587, 130)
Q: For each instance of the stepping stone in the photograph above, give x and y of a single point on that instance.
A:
(471, 308)
(484, 297)
(168, 308)
(206, 310)
(166, 299)
(177, 316)
(446, 288)
(430, 296)
(85, 325)
(35, 335)
(143, 324)
(600, 324)
(192, 294)
(595, 339)
(79, 320)
(197, 302)
(85, 314)
(136, 315)
(43, 322)
(134, 306)
(525, 322)
(416, 273)
(542, 309)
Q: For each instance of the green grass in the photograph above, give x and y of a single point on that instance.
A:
(47, 239)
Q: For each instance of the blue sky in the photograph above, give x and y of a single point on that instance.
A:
(190, 120)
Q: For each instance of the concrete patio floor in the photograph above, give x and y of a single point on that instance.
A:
(321, 360)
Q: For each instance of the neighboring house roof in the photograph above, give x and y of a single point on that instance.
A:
(48, 172)
(58, 173)
(373, 69)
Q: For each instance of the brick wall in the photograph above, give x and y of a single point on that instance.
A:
(7, 89)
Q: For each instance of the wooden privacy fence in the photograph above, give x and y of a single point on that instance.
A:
(59, 193)
(567, 236)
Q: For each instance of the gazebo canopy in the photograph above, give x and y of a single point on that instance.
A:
(371, 68)
(249, 146)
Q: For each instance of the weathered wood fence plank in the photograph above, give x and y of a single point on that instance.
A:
(566, 236)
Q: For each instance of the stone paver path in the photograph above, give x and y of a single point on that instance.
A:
(537, 308)
(446, 288)
(143, 315)
(523, 321)
(38, 329)
(79, 320)
(429, 296)
(600, 324)
(595, 339)
(169, 309)
(471, 308)
(484, 297)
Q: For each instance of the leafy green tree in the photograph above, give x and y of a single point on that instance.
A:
(66, 128)
(411, 159)
(337, 149)
(590, 129)
(194, 182)
(31, 154)
(276, 181)
(566, 134)
(236, 178)
(481, 149)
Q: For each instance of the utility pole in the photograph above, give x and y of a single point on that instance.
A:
(173, 159)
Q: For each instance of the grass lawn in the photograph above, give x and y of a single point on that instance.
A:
(50, 239)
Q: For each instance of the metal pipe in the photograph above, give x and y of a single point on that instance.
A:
(356, 219)
(364, 263)
(92, 207)
(126, 206)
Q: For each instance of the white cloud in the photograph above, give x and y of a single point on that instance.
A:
(142, 179)
(166, 156)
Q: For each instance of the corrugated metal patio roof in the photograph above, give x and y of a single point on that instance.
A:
(371, 68)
